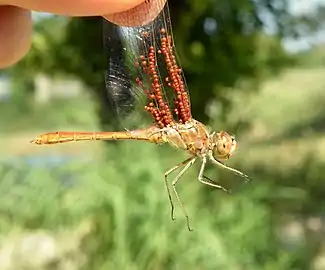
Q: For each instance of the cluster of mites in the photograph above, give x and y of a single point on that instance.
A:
(157, 105)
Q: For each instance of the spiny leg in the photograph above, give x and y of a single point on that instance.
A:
(207, 181)
(187, 166)
(167, 186)
(239, 173)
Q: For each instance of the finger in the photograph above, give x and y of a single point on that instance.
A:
(140, 15)
(77, 7)
(15, 34)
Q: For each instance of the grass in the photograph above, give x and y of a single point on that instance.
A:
(124, 202)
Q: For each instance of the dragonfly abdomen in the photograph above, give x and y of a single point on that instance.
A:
(66, 136)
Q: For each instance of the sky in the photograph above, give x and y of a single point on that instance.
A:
(300, 7)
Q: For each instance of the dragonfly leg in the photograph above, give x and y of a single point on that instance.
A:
(207, 181)
(189, 162)
(239, 173)
(167, 186)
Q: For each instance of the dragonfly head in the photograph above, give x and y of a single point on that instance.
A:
(223, 145)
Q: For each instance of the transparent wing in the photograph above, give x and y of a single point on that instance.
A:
(144, 80)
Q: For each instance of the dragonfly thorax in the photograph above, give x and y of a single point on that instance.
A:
(223, 145)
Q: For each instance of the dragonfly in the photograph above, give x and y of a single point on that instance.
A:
(144, 76)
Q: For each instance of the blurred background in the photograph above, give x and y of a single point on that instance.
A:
(254, 68)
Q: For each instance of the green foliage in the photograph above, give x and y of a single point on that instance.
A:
(125, 201)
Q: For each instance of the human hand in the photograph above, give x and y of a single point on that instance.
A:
(16, 25)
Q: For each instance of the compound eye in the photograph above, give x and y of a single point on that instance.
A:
(225, 146)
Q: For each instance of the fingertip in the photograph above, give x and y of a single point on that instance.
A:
(77, 8)
(15, 34)
(140, 15)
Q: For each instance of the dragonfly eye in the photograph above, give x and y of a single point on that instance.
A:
(224, 145)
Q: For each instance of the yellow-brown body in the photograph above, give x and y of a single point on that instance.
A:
(192, 136)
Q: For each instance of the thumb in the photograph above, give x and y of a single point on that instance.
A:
(15, 31)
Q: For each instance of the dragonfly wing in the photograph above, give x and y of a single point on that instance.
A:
(143, 75)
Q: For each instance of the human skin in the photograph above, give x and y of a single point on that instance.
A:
(16, 24)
